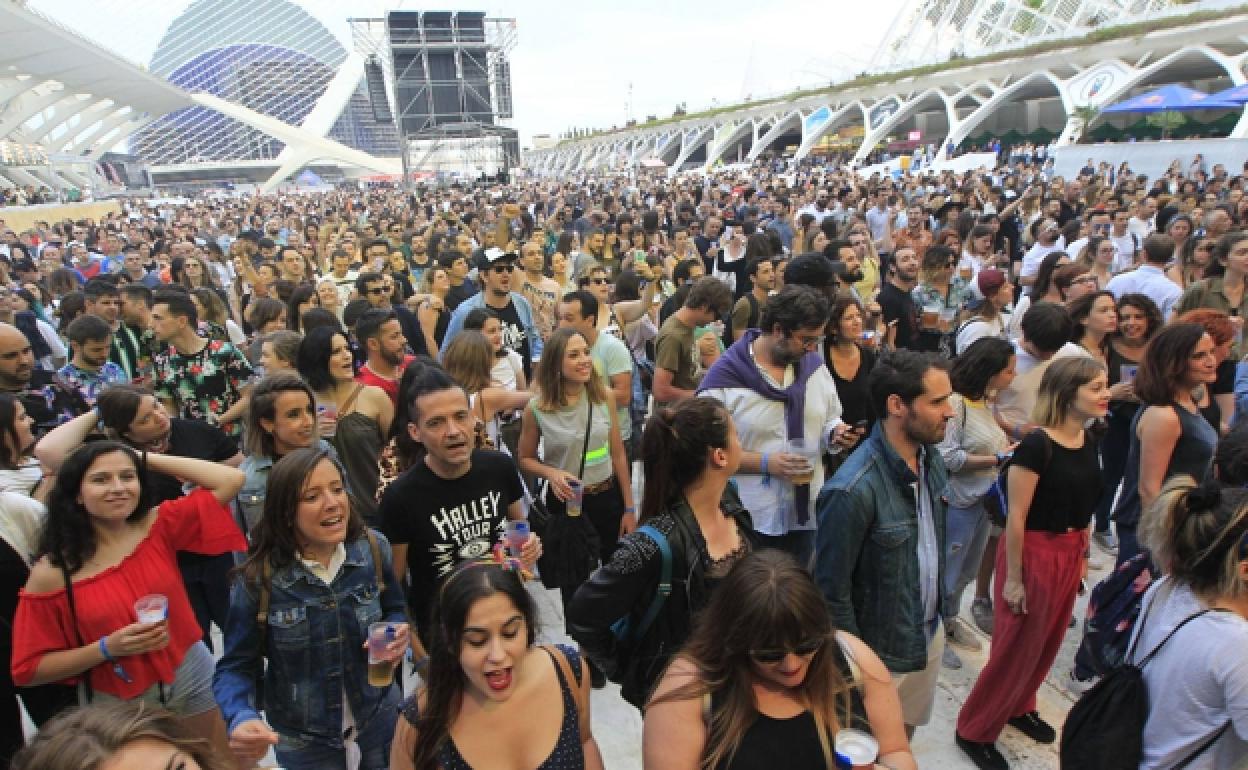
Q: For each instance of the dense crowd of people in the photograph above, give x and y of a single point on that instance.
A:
(760, 429)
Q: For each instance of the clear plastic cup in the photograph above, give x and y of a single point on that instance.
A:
(578, 495)
(808, 449)
(517, 535)
(380, 665)
(152, 608)
(931, 316)
(856, 749)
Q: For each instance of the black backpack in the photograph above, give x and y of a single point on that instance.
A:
(1104, 728)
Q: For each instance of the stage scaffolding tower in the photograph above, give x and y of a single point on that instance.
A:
(445, 77)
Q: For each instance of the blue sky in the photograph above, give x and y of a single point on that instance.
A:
(574, 63)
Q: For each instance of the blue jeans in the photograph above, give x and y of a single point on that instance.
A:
(966, 532)
(295, 753)
(799, 543)
(1114, 446)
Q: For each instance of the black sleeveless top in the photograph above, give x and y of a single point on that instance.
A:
(568, 753)
(796, 739)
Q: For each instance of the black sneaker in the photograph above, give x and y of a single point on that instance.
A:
(984, 755)
(1034, 727)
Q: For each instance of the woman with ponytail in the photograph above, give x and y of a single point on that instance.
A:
(1198, 682)
(691, 451)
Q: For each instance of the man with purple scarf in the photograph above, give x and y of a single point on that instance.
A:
(774, 382)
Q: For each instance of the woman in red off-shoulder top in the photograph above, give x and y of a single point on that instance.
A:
(114, 548)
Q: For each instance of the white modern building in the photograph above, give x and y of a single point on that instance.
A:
(1039, 62)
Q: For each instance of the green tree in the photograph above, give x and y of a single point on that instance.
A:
(1086, 115)
(1167, 121)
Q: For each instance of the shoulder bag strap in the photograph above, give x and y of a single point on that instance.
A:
(1202, 748)
(262, 604)
(574, 681)
(378, 564)
(355, 394)
(665, 581)
(589, 425)
(1173, 631)
(73, 622)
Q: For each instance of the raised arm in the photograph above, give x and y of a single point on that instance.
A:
(221, 480)
(54, 447)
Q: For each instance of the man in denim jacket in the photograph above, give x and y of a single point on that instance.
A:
(880, 542)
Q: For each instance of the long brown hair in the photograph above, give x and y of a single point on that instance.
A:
(548, 378)
(274, 539)
(469, 359)
(767, 602)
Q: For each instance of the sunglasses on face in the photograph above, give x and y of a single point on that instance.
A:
(808, 647)
(378, 290)
(508, 268)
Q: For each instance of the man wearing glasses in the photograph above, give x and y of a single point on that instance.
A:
(777, 388)
(497, 274)
(378, 289)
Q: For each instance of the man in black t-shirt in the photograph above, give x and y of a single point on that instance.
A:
(452, 506)
(895, 300)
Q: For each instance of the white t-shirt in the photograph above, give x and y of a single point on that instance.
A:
(1196, 683)
(1035, 255)
(761, 428)
(21, 521)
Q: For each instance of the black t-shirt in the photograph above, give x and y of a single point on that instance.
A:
(515, 337)
(898, 305)
(445, 522)
(458, 294)
(197, 440)
(1069, 486)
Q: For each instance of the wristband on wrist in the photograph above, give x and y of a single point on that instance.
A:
(762, 468)
(118, 669)
(630, 509)
(104, 650)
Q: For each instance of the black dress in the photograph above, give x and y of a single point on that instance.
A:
(854, 394)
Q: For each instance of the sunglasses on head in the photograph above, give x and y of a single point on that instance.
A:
(808, 647)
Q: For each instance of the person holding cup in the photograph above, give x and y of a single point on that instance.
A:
(325, 580)
(786, 411)
(104, 548)
(939, 289)
(766, 656)
(583, 456)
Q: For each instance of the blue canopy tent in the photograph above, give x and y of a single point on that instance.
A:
(1171, 98)
(1235, 95)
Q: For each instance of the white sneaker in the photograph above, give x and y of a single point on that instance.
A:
(960, 634)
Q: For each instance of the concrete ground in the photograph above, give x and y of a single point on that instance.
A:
(617, 725)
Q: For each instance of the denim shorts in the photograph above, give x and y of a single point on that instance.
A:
(189, 695)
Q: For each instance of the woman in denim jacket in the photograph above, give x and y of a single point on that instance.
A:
(280, 419)
(319, 567)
